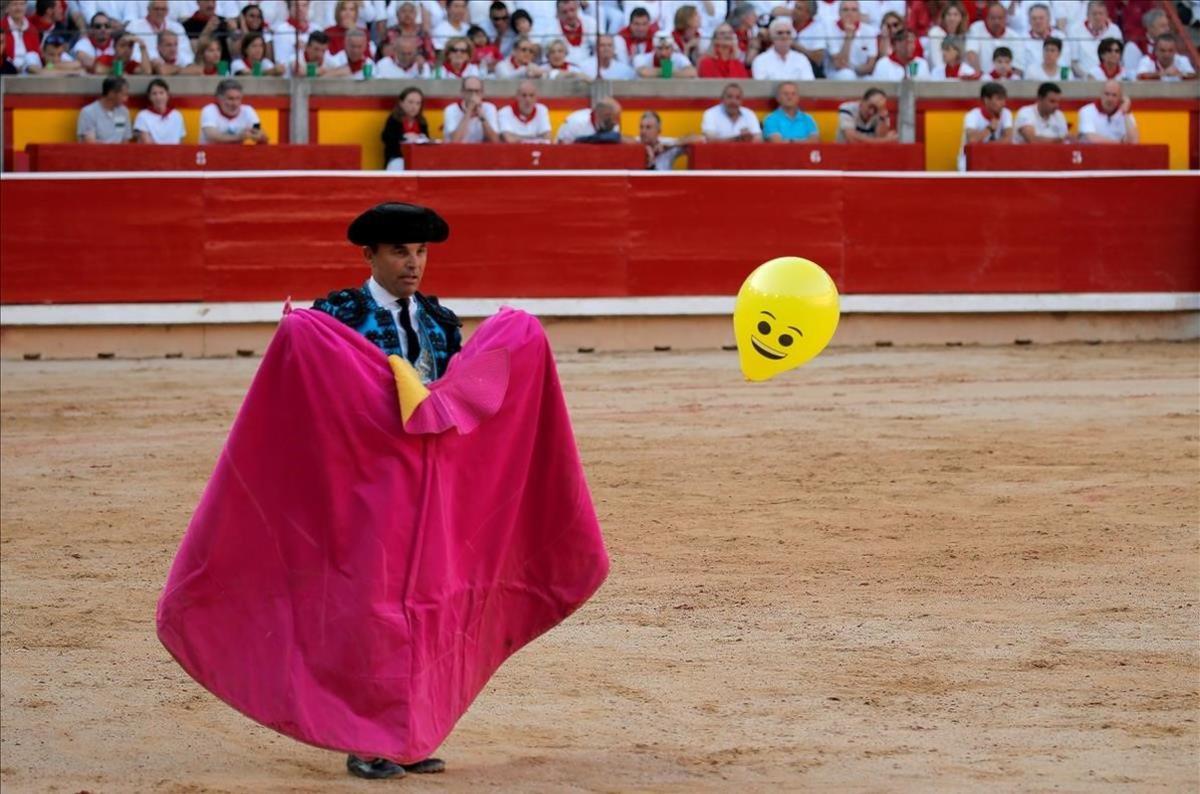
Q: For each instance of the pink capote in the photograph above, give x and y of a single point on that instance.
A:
(354, 584)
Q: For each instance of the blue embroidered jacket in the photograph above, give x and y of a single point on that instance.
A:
(438, 329)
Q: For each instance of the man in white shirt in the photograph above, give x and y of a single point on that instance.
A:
(148, 27)
(519, 62)
(1167, 64)
(471, 120)
(578, 31)
(781, 62)
(1108, 120)
(1042, 122)
(811, 35)
(526, 120)
(172, 58)
(853, 45)
(1066, 13)
(901, 63)
(729, 121)
(1028, 50)
(985, 35)
(991, 122)
(454, 25)
(603, 121)
(1085, 37)
(404, 63)
(652, 64)
(97, 43)
(229, 120)
(1156, 23)
(606, 62)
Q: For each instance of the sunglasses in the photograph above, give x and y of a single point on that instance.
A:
(527, 49)
(500, 18)
(102, 27)
(453, 50)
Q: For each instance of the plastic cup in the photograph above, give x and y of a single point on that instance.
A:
(223, 68)
(118, 68)
(667, 68)
(311, 69)
(256, 69)
(368, 69)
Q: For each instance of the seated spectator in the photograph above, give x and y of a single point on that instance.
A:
(866, 121)
(902, 62)
(723, 60)
(50, 16)
(353, 62)
(345, 15)
(471, 120)
(1030, 50)
(991, 122)
(780, 61)
(953, 67)
(1167, 64)
(486, 54)
(751, 40)
(1155, 23)
(159, 122)
(22, 42)
(600, 124)
(229, 119)
(811, 36)
(107, 119)
(172, 59)
(1042, 122)
(522, 23)
(457, 61)
(853, 45)
(577, 32)
(637, 38)
(1050, 66)
(1002, 65)
(605, 65)
(952, 23)
(53, 60)
(520, 62)
(292, 34)
(788, 123)
(1087, 36)
(729, 121)
(405, 61)
(124, 61)
(454, 26)
(1108, 120)
(205, 25)
(985, 35)
(557, 64)
(498, 27)
(525, 120)
(148, 28)
(405, 124)
(97, 45)
(1109, 66)
(686, 33)
(408, 24)
(254, 60)
(210, 59)
(250, 21)
(661, 153)
(663, 61)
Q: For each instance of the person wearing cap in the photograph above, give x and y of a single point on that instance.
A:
(655, 63)
(392, 314)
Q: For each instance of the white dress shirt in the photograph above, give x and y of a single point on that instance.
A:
(390, 302)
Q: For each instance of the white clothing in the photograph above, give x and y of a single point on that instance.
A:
(981, 41)
(387, 300)
(614, 71)
(507, 70)
(536, 130)
(1150, 66)
(887, 69)
(665, 160)
(976, 121)
(1028, 50)
(445, 31)
(1084, 45)
(716, 125)
(328, 62)
(388, 69)
(454, 117)
(85, 46)
(162, 129)
(143, 30)
(1093, 121)
(238, 66)
(678, 61)
(864, 47)
(577, 125)
(1053, 127)
(769, 66)
(212, 118)
(965, 72)
(1097, 73)
(1036, 72)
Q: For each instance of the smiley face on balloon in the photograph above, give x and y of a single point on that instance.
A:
(786, 313)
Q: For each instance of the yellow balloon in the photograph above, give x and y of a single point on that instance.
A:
(785, 314)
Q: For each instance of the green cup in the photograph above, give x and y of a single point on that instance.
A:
(311, 69)
(223, 68)
(1064, 72)
(118, 68)
(368, 69)
(667, 68)
(256, 69)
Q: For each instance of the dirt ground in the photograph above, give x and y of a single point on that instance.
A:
(895, 569)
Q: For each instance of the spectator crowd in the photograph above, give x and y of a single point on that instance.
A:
(795, 40)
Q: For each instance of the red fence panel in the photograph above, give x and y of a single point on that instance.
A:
(1068, 157)
(222, 157)
(806, 157)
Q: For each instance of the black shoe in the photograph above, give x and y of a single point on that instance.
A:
(429, 766)
(376, 769)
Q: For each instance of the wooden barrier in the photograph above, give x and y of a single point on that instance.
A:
(806, 156)
(218, 157)
(522, 157)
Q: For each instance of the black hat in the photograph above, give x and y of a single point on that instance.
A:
(393, 222)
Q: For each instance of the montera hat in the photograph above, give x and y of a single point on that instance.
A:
(394, 222)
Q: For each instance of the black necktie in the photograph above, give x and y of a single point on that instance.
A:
(413, 347)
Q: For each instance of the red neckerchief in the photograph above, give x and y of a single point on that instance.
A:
(997, 76)
(743, 39)
(293, 23)
(1094, 34)
(987, 114)
(450, 68)
(573, 37)
(165, 113)
(657, 61)
(410, 126)
(489, 49)
(638, 46)
(995, 36)
(356, 66)
(513, 60)
(1110, 75)
(1107, 115)
(892, 57)
(516, 109)
(725, 66)
(952, 71)
(842, 27)
(680, 41)
(210, 70)
(221, 110)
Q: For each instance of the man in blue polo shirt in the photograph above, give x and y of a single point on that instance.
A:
(788, 123)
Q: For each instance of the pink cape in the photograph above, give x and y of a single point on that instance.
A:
(354, 584)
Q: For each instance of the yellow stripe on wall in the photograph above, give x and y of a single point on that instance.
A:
(57, 125)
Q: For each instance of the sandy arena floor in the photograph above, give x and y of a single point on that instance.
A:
(961, 569)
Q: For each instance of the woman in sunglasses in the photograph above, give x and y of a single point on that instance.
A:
(457, 63)
(1110, 66)
(520, 63)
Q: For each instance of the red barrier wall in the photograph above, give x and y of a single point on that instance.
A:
(259, 237)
